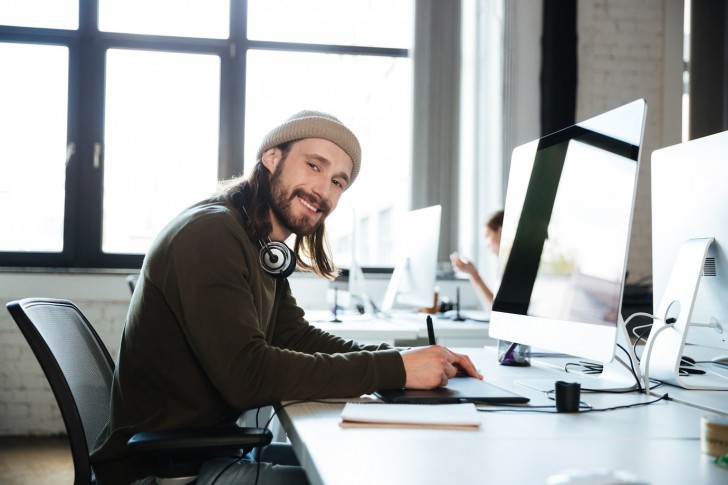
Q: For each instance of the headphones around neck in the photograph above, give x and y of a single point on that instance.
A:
(276, 258)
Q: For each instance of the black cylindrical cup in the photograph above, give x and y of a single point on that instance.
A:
(567, 396)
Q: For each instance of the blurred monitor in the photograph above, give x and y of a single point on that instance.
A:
(565, 237)
(413, 279)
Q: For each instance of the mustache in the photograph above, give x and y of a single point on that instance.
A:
(323, 205)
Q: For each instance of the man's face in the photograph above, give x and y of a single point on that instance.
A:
(306, 185)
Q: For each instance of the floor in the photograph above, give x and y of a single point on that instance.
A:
(31, 460)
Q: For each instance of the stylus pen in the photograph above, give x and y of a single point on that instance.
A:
(430, 331)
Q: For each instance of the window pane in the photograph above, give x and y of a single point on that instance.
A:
(33, 112)
(372, 23)
(183, 18)
(52, 14)
(161, 136)
(371, 95)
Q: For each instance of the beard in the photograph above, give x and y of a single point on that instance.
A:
(280, 202)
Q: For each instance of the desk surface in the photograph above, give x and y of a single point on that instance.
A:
(659, 443)
(714, 401)
(402, 325)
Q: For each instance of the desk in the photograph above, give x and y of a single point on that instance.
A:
(403, 329)
(659, 443)
(713, 401)
(365, 329)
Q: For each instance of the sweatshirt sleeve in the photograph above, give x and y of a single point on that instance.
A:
(218, 292)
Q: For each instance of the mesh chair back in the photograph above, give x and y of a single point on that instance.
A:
(77, 365)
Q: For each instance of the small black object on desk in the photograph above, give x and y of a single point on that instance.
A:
(456, 317)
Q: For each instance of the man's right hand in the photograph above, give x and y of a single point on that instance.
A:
(430, 367)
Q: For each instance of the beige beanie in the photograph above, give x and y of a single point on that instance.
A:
(315, 124)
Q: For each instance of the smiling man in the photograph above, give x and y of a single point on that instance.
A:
(213, 329)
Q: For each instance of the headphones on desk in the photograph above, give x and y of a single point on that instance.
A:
(276, 258)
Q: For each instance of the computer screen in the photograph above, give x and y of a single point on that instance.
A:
(690, 201)
(415, 273)
(565, 237)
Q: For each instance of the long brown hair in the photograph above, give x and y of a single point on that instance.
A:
(312, 251)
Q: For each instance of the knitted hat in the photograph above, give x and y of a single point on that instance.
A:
(315, 124)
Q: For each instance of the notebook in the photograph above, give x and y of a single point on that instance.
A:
(441, 416)
(458, 390)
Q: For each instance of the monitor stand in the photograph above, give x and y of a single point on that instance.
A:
(665, 345)
(616, 376)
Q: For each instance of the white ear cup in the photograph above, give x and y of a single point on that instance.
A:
(277, 259)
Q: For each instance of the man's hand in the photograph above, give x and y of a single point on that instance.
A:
(430, 367)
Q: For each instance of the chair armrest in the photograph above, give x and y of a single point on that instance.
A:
(194, 440)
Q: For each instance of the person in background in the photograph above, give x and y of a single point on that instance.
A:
(493, 228)
(213, 329)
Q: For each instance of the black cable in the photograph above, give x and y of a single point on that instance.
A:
(589, 409)
(631, 367)
(267, 424)
(663, 397)
(590, 368)
(646, 329)
(225, 468)
(593, 368)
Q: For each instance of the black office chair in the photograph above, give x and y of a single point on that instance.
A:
(80, 371)
(131, 281)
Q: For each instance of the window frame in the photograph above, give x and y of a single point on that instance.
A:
(83, 215)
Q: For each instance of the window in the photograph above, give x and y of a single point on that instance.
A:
(161, 141)
(117, 114)
(33, 133)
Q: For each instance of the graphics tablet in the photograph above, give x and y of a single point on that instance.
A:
(458, 389)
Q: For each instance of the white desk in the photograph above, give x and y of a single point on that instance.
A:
(365, 329)
(403, 328)
(659, 443)
(713, 401)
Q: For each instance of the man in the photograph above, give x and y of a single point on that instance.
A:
(210, 333)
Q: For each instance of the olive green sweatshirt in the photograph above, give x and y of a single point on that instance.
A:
(209, 334)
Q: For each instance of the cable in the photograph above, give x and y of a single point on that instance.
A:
(639, 314)
(594, 368)
(588, 409)
(648, 351)
(225, 468)
(590, 368)
(266, 426)
(665, 397)
(631, 367)
(639, 337)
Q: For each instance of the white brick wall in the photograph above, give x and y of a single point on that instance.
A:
(622, 57)
(27, 405)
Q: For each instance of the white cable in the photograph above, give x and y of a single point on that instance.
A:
(640, 314)
(646, 356)
(640, 327)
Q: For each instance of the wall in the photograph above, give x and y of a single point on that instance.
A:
(630, 50)
(27, 405)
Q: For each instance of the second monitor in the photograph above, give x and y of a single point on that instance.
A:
(565, 240)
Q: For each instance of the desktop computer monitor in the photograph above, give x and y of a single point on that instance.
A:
(565, 237)
(415, 273)
(690, 255)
